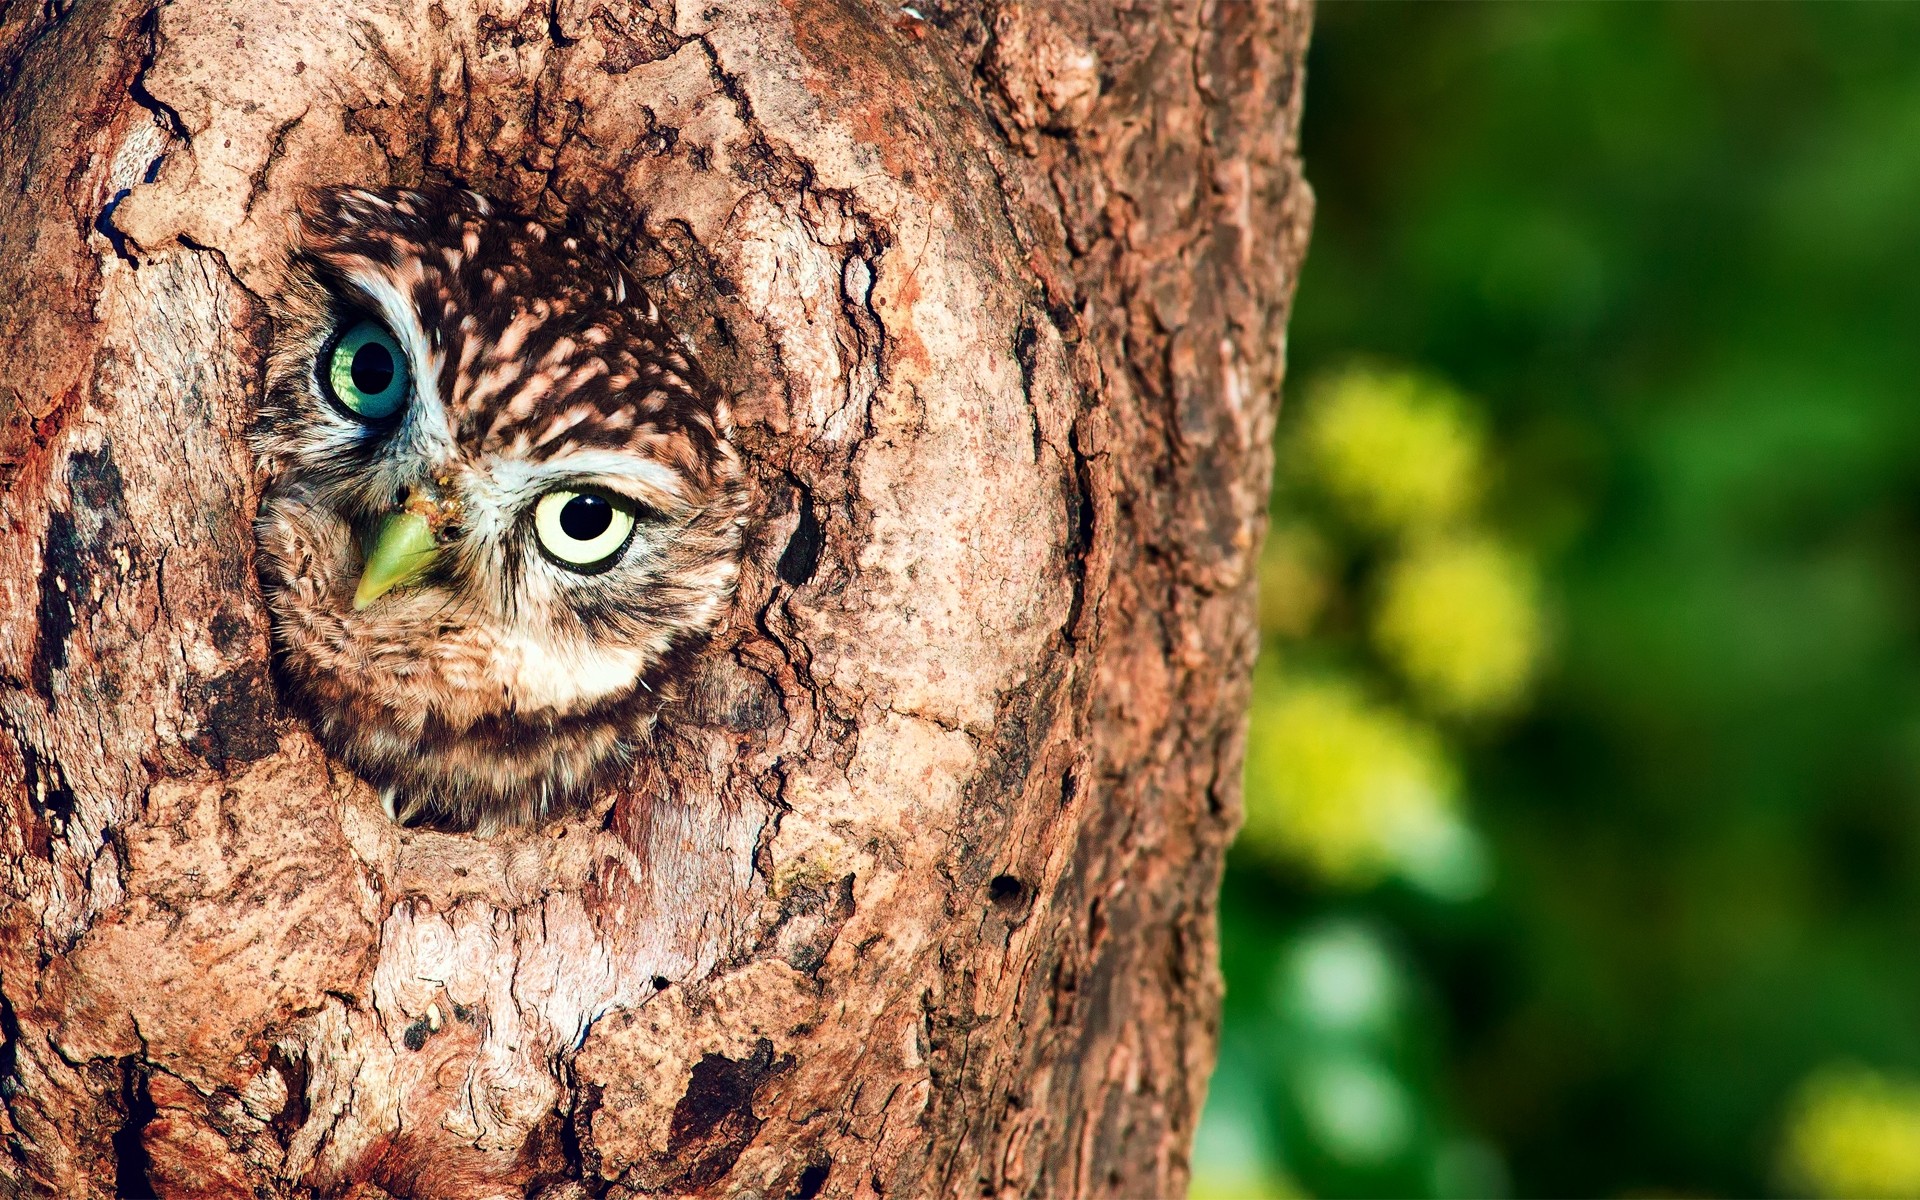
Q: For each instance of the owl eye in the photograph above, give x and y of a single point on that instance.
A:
(582, 531)
(367, 372)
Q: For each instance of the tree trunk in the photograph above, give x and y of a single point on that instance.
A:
(916, 895)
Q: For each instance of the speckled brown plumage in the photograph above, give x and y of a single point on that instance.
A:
(503, 682)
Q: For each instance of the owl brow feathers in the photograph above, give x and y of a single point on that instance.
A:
(500, 678)
(538, 349)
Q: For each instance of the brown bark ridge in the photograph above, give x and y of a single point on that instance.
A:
(916, 897)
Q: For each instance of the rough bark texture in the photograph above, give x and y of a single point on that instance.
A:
(918, 897)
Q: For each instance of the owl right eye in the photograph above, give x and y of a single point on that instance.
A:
(366, 371)
(582, 531)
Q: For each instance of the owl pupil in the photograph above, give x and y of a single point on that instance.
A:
(586, 517)
(372, 368)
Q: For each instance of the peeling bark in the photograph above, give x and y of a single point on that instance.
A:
(916, 897)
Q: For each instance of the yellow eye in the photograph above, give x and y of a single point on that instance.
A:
(584, 531)
(367, 372)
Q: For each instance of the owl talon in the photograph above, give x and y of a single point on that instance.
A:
(408, 811)
(398, 812)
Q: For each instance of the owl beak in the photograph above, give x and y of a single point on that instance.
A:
(402, 551)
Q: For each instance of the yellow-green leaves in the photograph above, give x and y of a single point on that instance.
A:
(1296, 580)
(1396, 452)
(1355, 791)
(1852, 1132)
(1394, 618)
(1459, 619)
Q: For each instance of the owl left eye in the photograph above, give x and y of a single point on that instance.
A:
(367, 372)
(583, 531)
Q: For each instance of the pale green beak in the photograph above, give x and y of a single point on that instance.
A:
(402, 551)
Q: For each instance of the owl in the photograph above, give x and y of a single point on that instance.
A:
(500, 505)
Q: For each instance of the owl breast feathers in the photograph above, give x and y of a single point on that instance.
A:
(501, 507)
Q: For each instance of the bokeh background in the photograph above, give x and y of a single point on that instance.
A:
(1582, 845)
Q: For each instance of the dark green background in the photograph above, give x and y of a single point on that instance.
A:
(1675, 252)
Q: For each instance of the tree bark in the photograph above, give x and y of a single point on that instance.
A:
(916, 896)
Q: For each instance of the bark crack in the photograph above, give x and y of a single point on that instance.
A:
(276, 150)
(169, 119)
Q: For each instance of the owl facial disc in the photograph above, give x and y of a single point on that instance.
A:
(501, 507)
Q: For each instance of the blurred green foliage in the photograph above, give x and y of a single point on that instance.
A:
(1583, 838)
(1853, 1132)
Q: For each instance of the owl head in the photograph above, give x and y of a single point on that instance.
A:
(500, 502)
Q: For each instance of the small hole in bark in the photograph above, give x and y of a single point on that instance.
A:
(812, 1180)
(9, 1051)
(802, 555)
(714, 1120)
(1006, 890)
(295, 1073)
(660, 983)
(131, 1166)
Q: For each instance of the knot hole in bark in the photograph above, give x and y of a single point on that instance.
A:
(802, 556)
